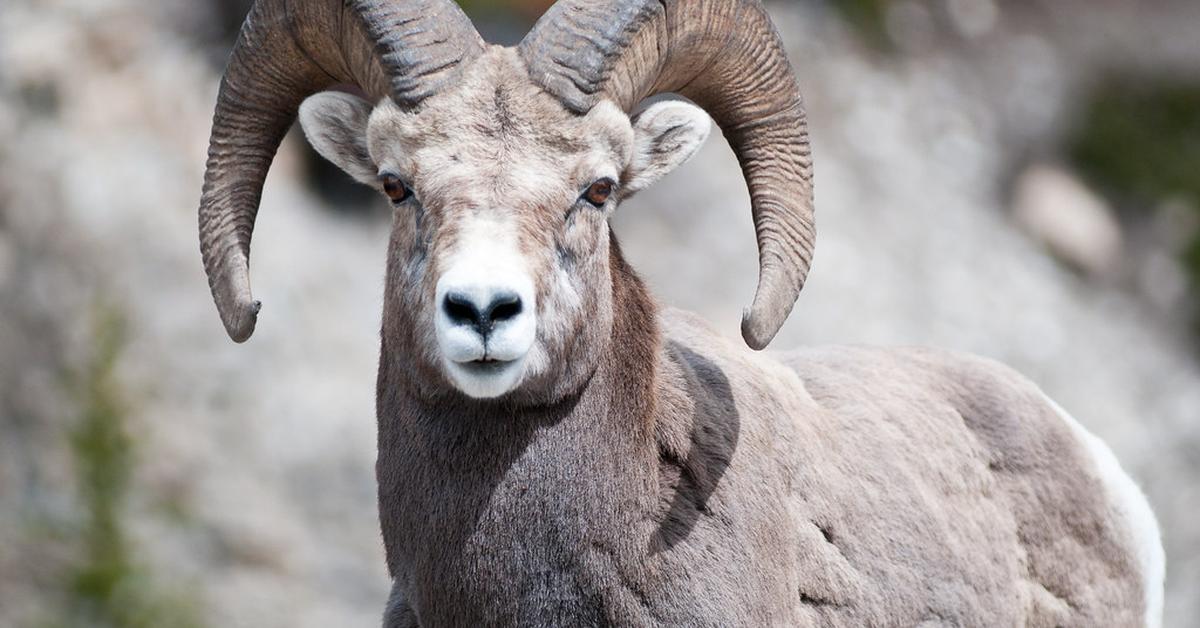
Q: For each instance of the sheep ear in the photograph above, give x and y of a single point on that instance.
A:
(666, 135)
(335, 123)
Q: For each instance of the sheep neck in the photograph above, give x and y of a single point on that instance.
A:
(476, 500)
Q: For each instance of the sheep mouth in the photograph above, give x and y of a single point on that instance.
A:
(486, 366)
(486, 378)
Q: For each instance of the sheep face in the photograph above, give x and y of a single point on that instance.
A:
(498, 278)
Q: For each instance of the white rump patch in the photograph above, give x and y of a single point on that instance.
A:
(1129, 503)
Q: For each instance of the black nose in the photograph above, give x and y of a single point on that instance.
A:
(463, 310)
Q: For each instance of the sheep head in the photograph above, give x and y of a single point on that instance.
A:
(503, 165)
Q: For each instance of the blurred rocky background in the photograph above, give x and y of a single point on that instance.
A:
(1019, 179)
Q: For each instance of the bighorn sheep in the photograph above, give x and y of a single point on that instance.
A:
(553, 447)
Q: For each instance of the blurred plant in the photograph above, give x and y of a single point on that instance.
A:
(1142, 140)
(1139, 141)
(868, 17)
(108, 587)
(528, 10)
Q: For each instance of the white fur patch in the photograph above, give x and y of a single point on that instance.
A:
(487, 262)
(1130, 504)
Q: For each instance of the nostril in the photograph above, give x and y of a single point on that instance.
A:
(460, 309)
(503, 307)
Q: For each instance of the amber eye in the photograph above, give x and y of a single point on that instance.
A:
(394, 188)
(597, 193)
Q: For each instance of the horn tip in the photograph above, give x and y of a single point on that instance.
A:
(240, 324)
(757, 334)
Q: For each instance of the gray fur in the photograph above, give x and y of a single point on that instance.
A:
(652, 473)
(836, 487)
(645, 471)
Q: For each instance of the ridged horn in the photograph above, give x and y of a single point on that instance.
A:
(726, 56)
(288, 50)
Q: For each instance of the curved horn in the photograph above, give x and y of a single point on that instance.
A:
(727, 57)
(287, 51)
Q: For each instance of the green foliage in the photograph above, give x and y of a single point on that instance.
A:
(1191, 262)
(1140, 141)
(107, 587)
(519, 14)
(485, 8)
(102, 449)
(868, 17)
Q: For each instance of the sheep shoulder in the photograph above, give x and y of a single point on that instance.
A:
(914, 485)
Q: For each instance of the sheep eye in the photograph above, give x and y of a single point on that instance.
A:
(597, 193)
(394, 188)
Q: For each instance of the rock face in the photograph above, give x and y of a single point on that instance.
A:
(250, 497)
(1075, 224)
(252, 494)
